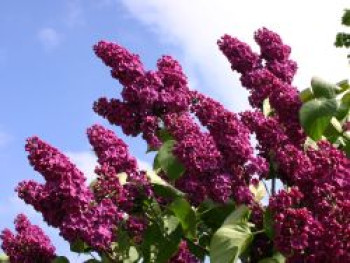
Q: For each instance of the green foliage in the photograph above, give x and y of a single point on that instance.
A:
(346, 17)
(316, 114)
(160, 245)
(214, 215)
(276, 258)
(186, 215)
(60, 259)
(342, 40)
(4, 258)
(325, 110)
(166, 161)
(79, 247)
(232, 238)
(268, 223)
(163, 188)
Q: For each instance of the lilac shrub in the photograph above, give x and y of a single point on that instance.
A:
(204, 196)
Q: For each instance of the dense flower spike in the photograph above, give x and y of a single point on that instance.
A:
(147, 95)
(194, 148)
(240, 55)
(119, 113)
(96, 226)
(125, 66)
(64, 189)
(111, 150)
(271, 45)
(30, 244)
(115, 162)
(271, 81)
(64, 200)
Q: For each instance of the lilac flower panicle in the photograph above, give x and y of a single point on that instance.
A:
(96, 226)
(111, 150)
(119, 113)
(125, 66)
(29, 245)
(240, 55)
(271, 45)
(285, 70)
(64, 189)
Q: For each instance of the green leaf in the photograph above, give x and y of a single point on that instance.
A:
(151, 238)
(158, 247)
(92, 260)
(163, 188)
(315, 116)
(306, 95)
(105, 258)
(232, 238)
(122, 245)
(268, 223)
(259, 191)
(164, 135)
(169, 246)
(266, 107)
(132, 256)
(79, 246)
(168, 162)
(186, 215)
(197, 250)
(345, 20)
(60, 259)
(342, 40)
(170, 223)
(323, 89)
(276, 258)
(214, 215)
(344, 84)
(4, 258)
(239, 215)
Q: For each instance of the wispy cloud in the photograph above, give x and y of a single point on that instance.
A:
(74, 14)
(5, 138)
(49, 38)
(86, 162)
(194, 26)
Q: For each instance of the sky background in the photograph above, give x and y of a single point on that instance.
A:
(49, 76)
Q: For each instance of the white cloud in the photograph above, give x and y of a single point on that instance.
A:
(86, 162)
(49, 38)
(74, 15)
(194, 26)
(5, 138)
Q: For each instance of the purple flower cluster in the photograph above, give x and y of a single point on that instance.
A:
(30, 244)
(113, 158)
(311, 216)
(219, 163)
(183, 255)
(65, 201)
(64, 189)
(146, 95)
(271, 81)
(312, 219)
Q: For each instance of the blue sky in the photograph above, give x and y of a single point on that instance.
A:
(49, 76)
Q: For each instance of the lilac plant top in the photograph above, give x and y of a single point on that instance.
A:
(29, 245)
(311, 216)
